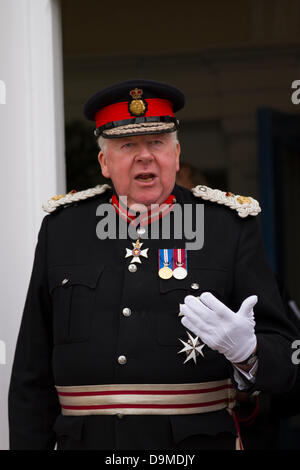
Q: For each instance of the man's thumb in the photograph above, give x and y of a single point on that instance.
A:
(246, 309)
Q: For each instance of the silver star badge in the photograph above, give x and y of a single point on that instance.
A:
(136, 252)
(192, 348)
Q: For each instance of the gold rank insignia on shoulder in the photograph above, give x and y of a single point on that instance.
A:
(73, 196)
(244, 205)
(137, 106)
(57, 197)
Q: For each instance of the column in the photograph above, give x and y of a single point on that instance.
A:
(32, 155)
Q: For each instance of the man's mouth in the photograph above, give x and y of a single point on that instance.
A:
(145, 177)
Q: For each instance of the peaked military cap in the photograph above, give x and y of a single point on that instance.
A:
(134, 107)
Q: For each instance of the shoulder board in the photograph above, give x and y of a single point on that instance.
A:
(73, 196)
(244, 205)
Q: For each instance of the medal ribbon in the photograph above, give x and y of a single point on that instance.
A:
(165, 258)
(179, 258)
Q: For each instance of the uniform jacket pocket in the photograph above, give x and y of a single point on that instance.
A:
(173, 293)
(73, 291)
(197, 281)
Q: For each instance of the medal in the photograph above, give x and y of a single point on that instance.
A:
(192, 348)
(165, 273)
(164, 261)
(136, 252)
(179, 258)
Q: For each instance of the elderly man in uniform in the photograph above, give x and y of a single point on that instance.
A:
(141, 341)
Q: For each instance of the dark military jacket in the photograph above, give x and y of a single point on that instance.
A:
(73, 332)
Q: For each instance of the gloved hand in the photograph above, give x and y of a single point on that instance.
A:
(221, 329)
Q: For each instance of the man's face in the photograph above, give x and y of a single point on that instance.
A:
(143, 168)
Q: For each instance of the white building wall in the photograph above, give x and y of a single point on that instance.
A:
(32, 155)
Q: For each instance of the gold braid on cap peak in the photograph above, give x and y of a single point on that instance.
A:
(73, 196)
(244, 205)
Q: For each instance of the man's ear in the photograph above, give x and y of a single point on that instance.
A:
(102, 159)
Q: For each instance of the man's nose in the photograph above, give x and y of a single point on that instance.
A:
(144, 153)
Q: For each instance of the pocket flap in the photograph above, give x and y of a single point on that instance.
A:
(211, 424)
(71, 275)
(198, 280)
(70, 426)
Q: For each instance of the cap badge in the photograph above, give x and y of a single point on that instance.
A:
(137, 106)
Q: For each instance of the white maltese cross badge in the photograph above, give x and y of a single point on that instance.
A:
(192, 348)
(136, 252)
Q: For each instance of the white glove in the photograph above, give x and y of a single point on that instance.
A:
(221, 329)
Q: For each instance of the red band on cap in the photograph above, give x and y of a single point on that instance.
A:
(119, 111)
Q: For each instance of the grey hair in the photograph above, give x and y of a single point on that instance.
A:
(102, 141)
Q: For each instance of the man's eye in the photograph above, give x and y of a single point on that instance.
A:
(128, 145)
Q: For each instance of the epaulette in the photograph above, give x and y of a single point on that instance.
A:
(244, 205)
(73, 196)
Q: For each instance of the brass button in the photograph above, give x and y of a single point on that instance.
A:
(120, 415)
(122, 360)
(126, 312)
(132, 268)
(195, 285)
(64, 281)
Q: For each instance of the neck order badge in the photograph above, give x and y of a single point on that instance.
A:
(136, 252)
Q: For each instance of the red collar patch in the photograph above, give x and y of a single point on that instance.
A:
(143, 218)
